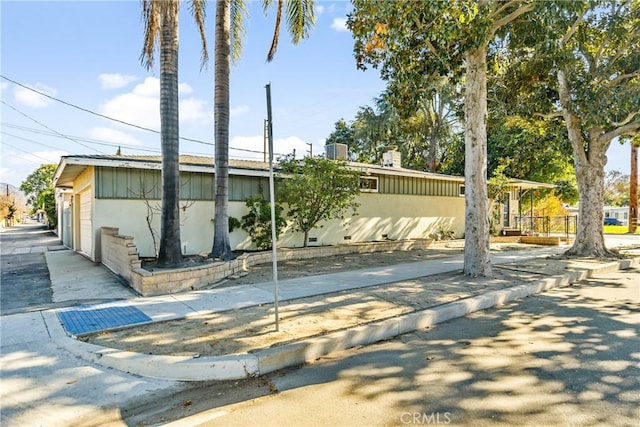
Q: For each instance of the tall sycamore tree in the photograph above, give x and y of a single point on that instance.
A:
(581, 63)
(599, 92)
(411, 40)
(299, 16)
(161, 32)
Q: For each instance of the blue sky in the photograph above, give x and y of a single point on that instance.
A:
(87, 54)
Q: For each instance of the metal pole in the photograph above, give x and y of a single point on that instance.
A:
(272, 196)
(264, 139)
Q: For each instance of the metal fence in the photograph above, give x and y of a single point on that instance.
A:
(547, 225)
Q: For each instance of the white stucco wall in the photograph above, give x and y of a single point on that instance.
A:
(197, 226)
(397, 216)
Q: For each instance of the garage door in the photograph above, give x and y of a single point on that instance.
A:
(86, 234)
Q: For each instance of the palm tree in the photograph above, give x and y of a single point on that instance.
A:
(161, 29)
(228, 33)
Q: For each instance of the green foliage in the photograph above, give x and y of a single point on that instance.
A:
(616, 189)
(443, 233)
(47, 199)
(317, 189)
(38, 187)
(597, 47)
(234, 223)
(533, 149)
(258, 221)
(421, 135)
(38, 181)
(11, 212)
(343, 134)
(497, 189)
(567, 190)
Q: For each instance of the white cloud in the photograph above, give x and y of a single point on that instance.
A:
(195, 110)
(113, 135)
(339, 25)
(4, 85)
(115, 80)
(141, 106)
(53, 156)
(240, 109)
(184, 89)
(30, 98)
(319, 10)
(17, 165)
(21, 160)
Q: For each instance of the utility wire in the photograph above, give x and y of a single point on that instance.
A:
(47, 127)
(29, 140)
(96, 141)
(24, 151)
(88, 141)
(118, 120)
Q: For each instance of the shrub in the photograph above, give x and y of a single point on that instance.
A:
(258, 221)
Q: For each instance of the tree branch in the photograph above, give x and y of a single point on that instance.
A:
(626, 120)
(431, 48)
(504, 6)
(572, 30)
(630, 129)
(549, 115)
(624, 77)
(572, 121)
(509, 18)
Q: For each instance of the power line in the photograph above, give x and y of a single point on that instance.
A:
(87, 110)
(211, 144)
(31, 154)
(87, 140)
(47, 127)
(29, 140)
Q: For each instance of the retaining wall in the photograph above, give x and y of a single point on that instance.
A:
(120, 255)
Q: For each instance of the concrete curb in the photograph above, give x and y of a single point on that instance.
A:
(237, 366)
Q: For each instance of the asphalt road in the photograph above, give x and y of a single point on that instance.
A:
(565, 357)
(24, 276)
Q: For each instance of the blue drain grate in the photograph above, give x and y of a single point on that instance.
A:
(83, 319)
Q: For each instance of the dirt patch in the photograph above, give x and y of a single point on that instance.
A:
(252, 328)
(263, 273)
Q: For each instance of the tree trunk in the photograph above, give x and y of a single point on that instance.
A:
(633, 188)
(477, 261)
(221, 245)
(589, 158)
(170, 254)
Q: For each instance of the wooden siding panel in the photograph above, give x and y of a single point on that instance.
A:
(114, 183)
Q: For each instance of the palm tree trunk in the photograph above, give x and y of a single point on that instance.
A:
(477, 261)
(222, 58)
(170, 252)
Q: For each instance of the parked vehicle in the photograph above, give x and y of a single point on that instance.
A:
(612, 221)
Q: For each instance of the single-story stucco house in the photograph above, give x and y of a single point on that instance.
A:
(123, 192)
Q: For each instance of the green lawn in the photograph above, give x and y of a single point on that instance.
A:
(618, 229)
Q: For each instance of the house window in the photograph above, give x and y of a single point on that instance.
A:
(461, 190)
(369, 183)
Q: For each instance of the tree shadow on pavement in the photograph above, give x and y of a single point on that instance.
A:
(568, 356)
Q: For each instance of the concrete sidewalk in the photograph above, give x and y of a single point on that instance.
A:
(45, 370)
